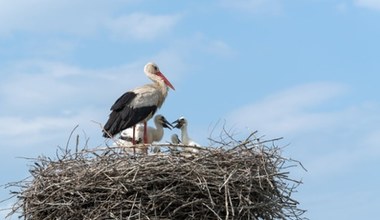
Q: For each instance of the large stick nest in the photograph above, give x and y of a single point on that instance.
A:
(237, 180)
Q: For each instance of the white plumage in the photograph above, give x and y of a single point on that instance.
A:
(129, 147)
(154, 134)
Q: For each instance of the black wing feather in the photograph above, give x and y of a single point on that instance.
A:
(124, 116)
(123, 101)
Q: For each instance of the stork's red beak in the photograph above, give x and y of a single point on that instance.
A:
(165, 80)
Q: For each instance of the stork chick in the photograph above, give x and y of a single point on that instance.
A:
(175, 139)
(182, 123)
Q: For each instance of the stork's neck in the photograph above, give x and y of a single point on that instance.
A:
(159, 131)
(159, 84)
(184, 135)
(163, 87)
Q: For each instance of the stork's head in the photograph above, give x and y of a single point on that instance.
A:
(162, 120)
(179, 123)
(154, 73)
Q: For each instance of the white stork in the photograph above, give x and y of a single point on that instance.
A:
(138, 105)
(153, 134)
(182, 123)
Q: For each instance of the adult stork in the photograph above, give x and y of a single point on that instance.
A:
(182, 123)
(138, 105)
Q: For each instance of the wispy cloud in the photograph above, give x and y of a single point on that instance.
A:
(254, 6)
(220, 48)
(42, 16)
(142, 26)
(290, 111)
(370, 4)
(41, 85)
(48, 16)
(24, 132)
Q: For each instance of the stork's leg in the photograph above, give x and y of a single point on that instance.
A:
(133, 139)
(133, 135)
(145, 137)
(145, 133)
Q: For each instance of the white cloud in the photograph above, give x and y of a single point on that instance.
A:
(24, 132)
(370, 4)
(19, 127)
(142, 26)
(254, 6)
(335, 162)
(220, 48)
(70, 16)
(42, 85)
(81, 18)
(290, 111)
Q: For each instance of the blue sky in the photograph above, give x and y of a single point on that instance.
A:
(307, 71)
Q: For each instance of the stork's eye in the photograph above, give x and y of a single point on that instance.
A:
(155, 68)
